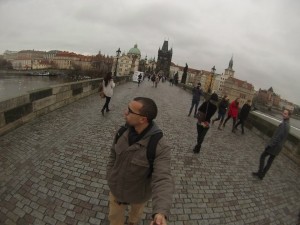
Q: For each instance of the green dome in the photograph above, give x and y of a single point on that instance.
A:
(134, 50)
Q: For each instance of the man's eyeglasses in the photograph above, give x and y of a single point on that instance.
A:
(130, 111)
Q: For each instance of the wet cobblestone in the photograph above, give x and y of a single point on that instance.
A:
(52, 170)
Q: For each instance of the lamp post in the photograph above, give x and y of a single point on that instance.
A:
(212, 75)
(145, 64)
(118, 54)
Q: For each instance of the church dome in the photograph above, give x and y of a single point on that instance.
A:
(134, 50)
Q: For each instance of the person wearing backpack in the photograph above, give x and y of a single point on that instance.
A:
(139, 167)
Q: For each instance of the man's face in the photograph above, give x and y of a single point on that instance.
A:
(285, 114)
(132, 114)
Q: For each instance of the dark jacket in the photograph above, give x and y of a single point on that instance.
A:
(223, 105)
(197, 92)
(208, 108)
(244, 111)
(128, 167)
(279, 137)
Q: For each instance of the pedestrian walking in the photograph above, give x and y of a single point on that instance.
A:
(153, 77)
(108, 86)
(128, 167)
(176, 78)
(233, 113)
(157, 78)
(274, 146)
(171, 80)
(243, 115)
(196, 92)
(205, 112)
(139, 79)
(223, 105)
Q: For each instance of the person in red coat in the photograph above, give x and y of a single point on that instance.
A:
(233, 112)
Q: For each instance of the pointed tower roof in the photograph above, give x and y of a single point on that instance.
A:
(165, 46)
(230, 63)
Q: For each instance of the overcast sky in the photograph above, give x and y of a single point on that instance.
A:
(262, 35)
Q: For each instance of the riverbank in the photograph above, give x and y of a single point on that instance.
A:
(16, 83)
(277, 113)
(13, 71)
(33, 72)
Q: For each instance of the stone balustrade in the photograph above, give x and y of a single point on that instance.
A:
(17, 111)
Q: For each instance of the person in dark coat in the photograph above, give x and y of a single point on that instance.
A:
(139, 79)
(274, 146)
(223, 105)
(208, 108)
(197, 92)
(243, 115)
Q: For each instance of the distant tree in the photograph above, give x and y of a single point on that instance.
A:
(4, 64)
(297, 110)
(76, 69)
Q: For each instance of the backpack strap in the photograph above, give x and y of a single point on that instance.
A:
(151, 147)
(151, 150)
(120, 133)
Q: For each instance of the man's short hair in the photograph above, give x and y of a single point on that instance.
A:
(199, 84)
(289, 112)
(149, 108)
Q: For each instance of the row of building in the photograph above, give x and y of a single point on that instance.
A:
(61, 60)
(127, 63)
(224, 83)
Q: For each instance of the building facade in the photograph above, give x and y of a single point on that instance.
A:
(127, 63)
(41, 60)
(235, 88)
(219, 79)
(151, 65)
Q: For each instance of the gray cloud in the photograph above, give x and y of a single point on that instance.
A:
(262, 35)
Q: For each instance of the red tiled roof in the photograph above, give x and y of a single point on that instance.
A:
(241, 83)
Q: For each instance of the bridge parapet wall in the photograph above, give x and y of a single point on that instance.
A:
(265, 130)
(17, 111)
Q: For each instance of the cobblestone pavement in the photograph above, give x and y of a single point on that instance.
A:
(52, 170)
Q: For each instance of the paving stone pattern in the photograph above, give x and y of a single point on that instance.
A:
(52, 170)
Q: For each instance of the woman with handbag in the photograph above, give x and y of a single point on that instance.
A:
(108, 86)
(205, 112)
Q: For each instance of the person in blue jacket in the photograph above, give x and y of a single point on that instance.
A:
(197, 92)
(274, 146)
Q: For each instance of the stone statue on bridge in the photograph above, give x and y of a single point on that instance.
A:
(184, 75)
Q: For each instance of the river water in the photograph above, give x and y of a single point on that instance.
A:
(15, 84)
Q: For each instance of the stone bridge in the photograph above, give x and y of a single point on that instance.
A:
(52, 170)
